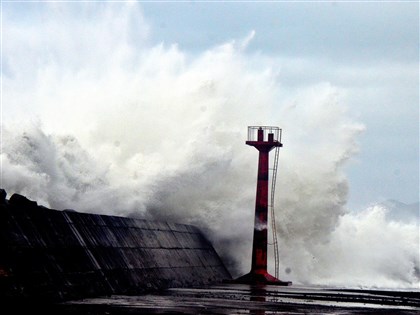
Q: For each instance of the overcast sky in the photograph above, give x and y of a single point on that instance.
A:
(369, 50)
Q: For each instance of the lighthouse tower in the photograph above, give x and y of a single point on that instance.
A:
(264, 144)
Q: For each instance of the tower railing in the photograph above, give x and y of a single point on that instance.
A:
(253, 132)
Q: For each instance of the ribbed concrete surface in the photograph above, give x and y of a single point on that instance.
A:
(60, 255)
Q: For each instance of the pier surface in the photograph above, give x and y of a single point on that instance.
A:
(246, 299)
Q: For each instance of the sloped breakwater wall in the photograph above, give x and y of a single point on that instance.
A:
(53, 255)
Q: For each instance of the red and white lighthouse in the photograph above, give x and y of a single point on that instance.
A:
(259, 273)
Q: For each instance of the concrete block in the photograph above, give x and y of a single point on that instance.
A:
(59, 255)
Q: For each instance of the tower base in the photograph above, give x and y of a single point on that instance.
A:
(260, 278)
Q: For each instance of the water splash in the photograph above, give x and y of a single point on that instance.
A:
(98, 119)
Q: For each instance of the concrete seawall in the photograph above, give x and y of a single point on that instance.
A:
(55, 255)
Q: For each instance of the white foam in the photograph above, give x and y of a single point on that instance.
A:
(97, 119)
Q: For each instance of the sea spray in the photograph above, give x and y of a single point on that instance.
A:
(97, 119)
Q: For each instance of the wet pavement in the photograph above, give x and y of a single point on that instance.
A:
(246, 299)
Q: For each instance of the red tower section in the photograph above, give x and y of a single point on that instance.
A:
(258, 273)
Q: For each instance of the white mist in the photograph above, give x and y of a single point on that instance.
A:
(97, 119)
